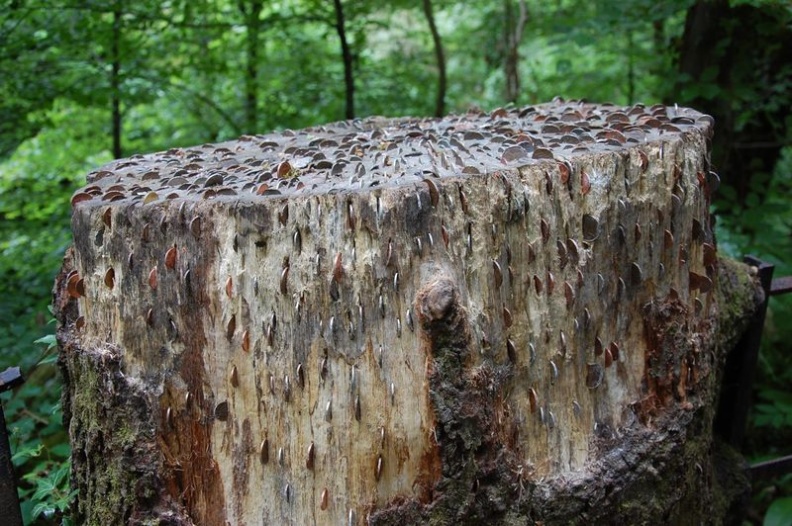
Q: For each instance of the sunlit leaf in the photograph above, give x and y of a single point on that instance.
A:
(779, 513)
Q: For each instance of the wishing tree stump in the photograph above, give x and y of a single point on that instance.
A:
(489, 318)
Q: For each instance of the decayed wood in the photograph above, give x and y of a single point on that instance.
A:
(506, 316)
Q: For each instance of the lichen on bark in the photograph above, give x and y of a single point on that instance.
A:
(480, 479)
(112, 433)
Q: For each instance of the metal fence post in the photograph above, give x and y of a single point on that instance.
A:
(10, 513)
(736, 389)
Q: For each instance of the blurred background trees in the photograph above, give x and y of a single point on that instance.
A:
(83, 82)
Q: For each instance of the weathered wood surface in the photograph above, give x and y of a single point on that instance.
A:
(512, 316)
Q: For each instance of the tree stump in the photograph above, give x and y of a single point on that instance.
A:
(513, 317)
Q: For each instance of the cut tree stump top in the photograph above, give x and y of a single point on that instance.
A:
(351, 320)
(377, 152)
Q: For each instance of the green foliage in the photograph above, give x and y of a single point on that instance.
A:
(776, 499)
(760, 223)
(183, 73)
(774, 409)
(779, 513)
(36, 183)
(39, 441)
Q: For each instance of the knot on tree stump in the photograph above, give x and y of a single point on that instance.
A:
(440, 314)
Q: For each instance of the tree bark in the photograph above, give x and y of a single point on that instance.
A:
(405, 321)
(346, 56)
(439, 56)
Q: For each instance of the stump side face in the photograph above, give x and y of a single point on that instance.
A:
(277, 335)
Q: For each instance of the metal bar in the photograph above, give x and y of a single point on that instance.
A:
(771, 468)
(10, 378)
(735, 398)
(10, 512)
(779, 466)
(781, 286)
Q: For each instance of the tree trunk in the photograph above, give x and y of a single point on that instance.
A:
(346, 57)
(252, 14)
(115, 82)
(469, 320)
(630, 51)
(439, 56)
(513, 33)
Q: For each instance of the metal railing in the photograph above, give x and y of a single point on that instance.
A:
(10, 513)
(731, 420)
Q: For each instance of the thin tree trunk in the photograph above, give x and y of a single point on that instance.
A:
(251, 10)
(475, 332)
(439, 56)
(210, 124)
(513, 33)
(658, 67)
(630, 68)
(346, 56)
(658, 36)
(115, 81)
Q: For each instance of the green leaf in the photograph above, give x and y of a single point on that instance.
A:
(41, 508)
(45, 487)
(778, 397)
(48, 340)
(49, 360)
(727, 193)
(710, 91)
(769, 409)
(62, 450)
(27, 452)
(779, 513)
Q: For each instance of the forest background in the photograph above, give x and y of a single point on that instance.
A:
(84, 82)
